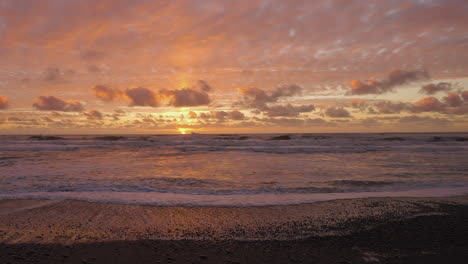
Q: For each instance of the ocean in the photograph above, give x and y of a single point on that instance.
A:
(232, 170)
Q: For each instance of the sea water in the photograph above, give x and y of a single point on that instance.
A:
(232, 170)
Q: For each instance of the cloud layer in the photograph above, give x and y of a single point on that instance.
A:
(272, 63)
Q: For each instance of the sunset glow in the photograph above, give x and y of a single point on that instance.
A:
(184, 131)
(238, 66)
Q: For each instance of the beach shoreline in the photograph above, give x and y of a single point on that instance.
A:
(369, 230)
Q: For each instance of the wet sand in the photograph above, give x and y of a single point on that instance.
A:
(374, 230)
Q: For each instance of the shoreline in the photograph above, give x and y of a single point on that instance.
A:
(366, 230)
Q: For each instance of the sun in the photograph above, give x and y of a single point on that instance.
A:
(184, 131)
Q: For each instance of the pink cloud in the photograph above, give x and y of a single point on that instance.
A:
(105, 93)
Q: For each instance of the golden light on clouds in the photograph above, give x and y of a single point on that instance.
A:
(224, 65)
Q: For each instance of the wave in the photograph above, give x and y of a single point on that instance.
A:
(364, 183)
(191, 186)
(239, 200)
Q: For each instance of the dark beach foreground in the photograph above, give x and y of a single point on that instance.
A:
(374, 230)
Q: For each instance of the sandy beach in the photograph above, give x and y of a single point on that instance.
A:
(374, 230)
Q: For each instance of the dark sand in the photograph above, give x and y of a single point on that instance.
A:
(376, 230)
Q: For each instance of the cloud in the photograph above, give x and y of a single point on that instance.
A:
(358, 103)
(394, 79)
(192, 115)
(288, 110)
(258, 98)
(55, 74)
(452, 103)
(464, 94)
(453, 100)
(428, 104)
(459, 110)
(105, 93)
(14, 119)
(186, 97)
(142, 97)
(368, 121)
(236, 115)
(117, 114)
(337, 112)
(52, 103)
(94, 115)
(4, 103)
(204, 86)
(196, 96)
(220, 115)
(431, 88)
(296, 122)
(52, 74)
(389, 107)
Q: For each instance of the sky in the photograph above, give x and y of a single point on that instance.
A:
(224, 66)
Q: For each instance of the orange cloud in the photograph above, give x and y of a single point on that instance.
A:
(428, 104)
(105, 93)
(4, 104)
